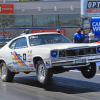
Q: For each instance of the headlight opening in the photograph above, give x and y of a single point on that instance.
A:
(54, 53)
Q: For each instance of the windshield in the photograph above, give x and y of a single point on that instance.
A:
(47, 39)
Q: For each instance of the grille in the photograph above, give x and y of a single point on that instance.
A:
(75, 52)
(88, 51)
(79, 52)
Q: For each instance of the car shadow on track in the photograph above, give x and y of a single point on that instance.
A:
(60, 84)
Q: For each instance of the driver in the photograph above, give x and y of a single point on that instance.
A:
(32, 42)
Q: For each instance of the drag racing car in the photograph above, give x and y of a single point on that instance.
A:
(47, 54)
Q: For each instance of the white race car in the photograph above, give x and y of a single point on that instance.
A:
(47, 54)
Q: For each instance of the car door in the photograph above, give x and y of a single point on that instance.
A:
(7, 53)
(19, 54)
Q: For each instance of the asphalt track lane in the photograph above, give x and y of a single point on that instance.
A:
(65, 86)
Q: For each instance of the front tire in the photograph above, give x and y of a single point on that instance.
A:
(89, 71)
(43, 74)
(6, 75)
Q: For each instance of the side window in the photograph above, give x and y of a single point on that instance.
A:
(22, 43)
(13, 44)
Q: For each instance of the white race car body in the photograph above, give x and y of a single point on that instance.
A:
(22, 59)
(69, 55)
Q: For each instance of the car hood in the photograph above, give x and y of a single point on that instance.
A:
(65, 45)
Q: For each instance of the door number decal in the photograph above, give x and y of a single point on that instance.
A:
(24, 56)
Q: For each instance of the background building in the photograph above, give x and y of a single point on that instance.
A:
(91, 19)
(17, 15)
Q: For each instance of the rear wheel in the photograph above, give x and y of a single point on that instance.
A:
(43, 74)
(6, 75)
(89, 71)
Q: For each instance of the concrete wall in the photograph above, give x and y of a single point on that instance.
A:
(69, 33)
(47, 7)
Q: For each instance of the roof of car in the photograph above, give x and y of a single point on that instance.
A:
(41, 33)
(27, 35)
(44, 33)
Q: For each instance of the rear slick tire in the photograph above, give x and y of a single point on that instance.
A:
(6, 75)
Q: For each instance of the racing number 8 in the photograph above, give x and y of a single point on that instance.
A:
(24, 56)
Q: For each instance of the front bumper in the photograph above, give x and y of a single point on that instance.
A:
(69, 62)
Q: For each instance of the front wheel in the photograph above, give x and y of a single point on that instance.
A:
(43, 74)
(6, 75)
(89, 71)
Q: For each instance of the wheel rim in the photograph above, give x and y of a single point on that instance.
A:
(3, 72)
(41, 72)
(87, 71)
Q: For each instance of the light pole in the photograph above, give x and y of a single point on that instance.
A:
(3, 35)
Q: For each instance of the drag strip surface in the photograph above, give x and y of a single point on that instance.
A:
(65, 86)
